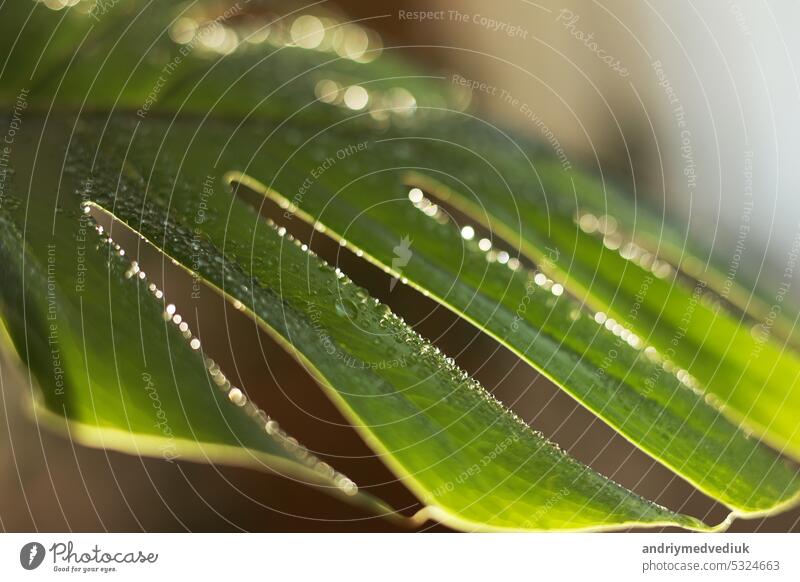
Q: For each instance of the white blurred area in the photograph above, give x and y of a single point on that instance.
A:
(731, 65)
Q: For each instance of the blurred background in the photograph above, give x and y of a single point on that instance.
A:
(692, 108)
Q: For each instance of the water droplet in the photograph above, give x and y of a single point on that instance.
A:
(356, 97)
(327, 91)
(346, 308)
(308, 31)
(237, 397)
(415, 195)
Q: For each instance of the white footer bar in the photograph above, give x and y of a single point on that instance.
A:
(388, 557)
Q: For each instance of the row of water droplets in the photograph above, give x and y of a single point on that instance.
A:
(690, 267)
(439, 363)
(468, 233)
(427, 356)
(235, 395)
(654, 355)
(323, 33)
(607, 226)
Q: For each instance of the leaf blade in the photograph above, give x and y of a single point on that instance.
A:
(428, 421)
(648, 405)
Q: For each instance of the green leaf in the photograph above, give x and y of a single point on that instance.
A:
(472, 462)
(113, 369)
(753, 377)
(366, 208)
